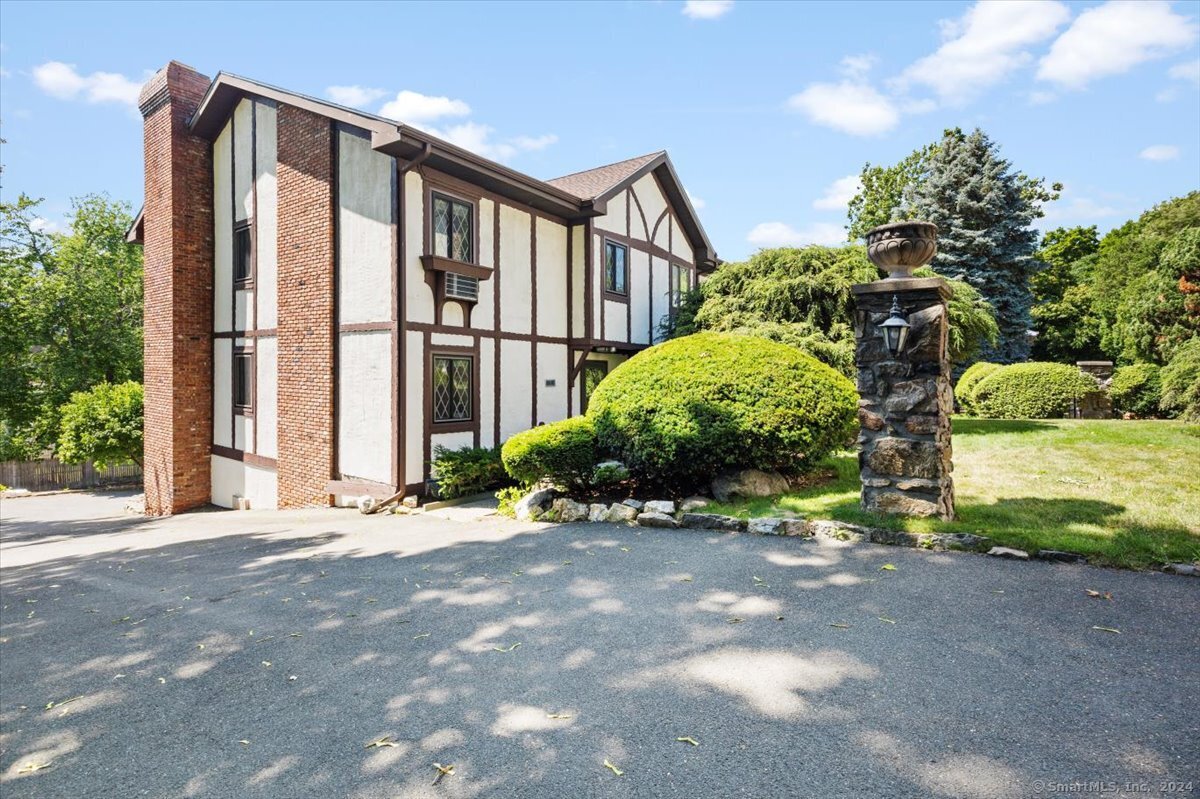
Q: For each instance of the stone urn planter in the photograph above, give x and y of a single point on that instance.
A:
(900, 247)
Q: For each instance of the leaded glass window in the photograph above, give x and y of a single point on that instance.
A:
(452, 390)
(453, 229)
(615, 258)
(680, 284)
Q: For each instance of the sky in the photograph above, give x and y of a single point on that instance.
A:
(768, 109)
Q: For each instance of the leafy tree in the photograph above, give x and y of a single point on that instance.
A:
(103, 425)
(74, 314)
(1068, 330)
(984, 212)
(880, 200)
(1181, 382)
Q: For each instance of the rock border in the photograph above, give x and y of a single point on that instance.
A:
(544, 506)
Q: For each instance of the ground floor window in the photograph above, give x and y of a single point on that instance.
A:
(453, 376)
(243, 382)
(593, 373)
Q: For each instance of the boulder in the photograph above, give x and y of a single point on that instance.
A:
(766, 526)
(611, 472)
(895, 538)
(597, 512)
(839, 531)
(636, 504)
(621, 512)
(896, 502)
(653, 519)
(693, 503)
(533, 504)
(565, 509)
(943, 542)
(796, 527)
(748, 483)
(1186, 569)
(660, 506)
(1007, 552)
(1059, 556)
(713, 521)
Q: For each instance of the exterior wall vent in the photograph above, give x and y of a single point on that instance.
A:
(461, 287)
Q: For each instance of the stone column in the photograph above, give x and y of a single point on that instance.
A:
(905, 401)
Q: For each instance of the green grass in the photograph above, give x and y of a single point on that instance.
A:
(1124, 493)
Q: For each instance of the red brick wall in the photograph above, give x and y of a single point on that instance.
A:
(178, 255)
(306, 309)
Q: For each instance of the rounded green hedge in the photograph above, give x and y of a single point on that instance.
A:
(563, 452)
(964, 391)
(1136, 389)
(1031, 391)
(685, 410)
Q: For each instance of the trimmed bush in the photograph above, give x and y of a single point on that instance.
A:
(1136, 389)
(1031, 391)
(561, 452)
(465, 471)
(1181, 382)
(964, 391)
(685, 410)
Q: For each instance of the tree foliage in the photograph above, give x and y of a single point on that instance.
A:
(70, 314)
(1181, 382)
(1068, 330)
(103, 424)
(881, 197)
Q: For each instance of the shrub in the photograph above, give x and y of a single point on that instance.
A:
(964, 391)
(682, 411)
(508, 499)
(1136, 389)
(1031, 391)
(102, 424)
(468, 470)
(561, 452)
(1181, 382)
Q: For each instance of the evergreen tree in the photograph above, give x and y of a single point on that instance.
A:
(984, 212)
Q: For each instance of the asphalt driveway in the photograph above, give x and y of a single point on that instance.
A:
(257, 654)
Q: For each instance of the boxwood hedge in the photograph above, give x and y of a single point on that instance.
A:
(685, 410)
(1031, 391)
(1136, 389)
(964, 391)
(562, 452)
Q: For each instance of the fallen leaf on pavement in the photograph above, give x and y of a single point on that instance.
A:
(887, 567)
(1107, 630)
(840, 626)
(685, 579)
(31, 767)
(64, 702)
(267, 663)
(558, 715)
(443, 771)
(624, 549)
(381, 742)
(244, 742)
(421, 635)
(687, 739)
(735, 620)
(608, 765)
(506, 649)
(885, 618)
(1106, 595)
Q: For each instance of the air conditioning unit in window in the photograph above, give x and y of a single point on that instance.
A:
(461, 287)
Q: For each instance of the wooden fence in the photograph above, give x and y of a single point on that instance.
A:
(49, 474)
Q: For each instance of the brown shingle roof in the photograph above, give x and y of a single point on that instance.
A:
(594, 182)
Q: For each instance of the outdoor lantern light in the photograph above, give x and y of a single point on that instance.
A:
(895, 328)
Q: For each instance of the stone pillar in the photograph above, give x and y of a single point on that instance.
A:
(905, 401)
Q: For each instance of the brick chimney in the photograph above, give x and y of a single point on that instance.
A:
(178, 258)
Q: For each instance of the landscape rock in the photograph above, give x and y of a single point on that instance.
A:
(565, 509)
(411, 501)
(528, 507)
(597, 512)
(766, 526)
(896, 502)
(1186, 569)
(796, 526)
(693, 503)
(660, 506)
(943, 542)
(621, 512)
(654, 519)
(636, 504)
(748, 483)
(1058, 556)
(611, 472)
(1006, 552)
(713, 521)
(839, 531)
(895, 538)
(904, 458)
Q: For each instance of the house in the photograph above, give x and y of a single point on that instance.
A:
(331, 295)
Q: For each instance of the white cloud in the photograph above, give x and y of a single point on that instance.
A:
(856, 67)
(1160, 152)
(707, 9)
(415, 108)
(354, 96)
(697, 203)
(64, 82)
(477, 138)
(43, 225)
(1113, 38)
(1188, 70)
(1041, 98)
(854, 108)
(984, 46)
(839, 193)
(781, 234)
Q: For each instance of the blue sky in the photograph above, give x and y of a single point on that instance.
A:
(767, 109)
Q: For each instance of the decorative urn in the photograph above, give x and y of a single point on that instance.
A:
(900, 247)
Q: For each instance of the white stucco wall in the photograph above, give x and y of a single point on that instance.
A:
(365, 213)
(267, 222)
(230, 478)
(417, 296)
(487, 382)
(662, 289)
(515, 377)
(243, 159)
(578, 281)
(483, 314)
(414, 351)
(615, 321)
(364, 410)
(222, 396)
(681, 248)
(614, 220)
(516, 301)
(552, 365)
(241, 310)
(639, 296)
(266, 415)
(653, 203)
(551, 278)
(222, 231)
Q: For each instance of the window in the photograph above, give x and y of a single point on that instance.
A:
(593, 373)
(453, 229)
(681, 283)
(243, 375)
(242, 254)
(616, 257)
(452, 389)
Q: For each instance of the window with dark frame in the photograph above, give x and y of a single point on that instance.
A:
(681, 283)
(243, 254)
(453, 229)
(616, 260)
(243, 375)
(453, 389)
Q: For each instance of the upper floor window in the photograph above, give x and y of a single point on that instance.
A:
(681, 283)
(453, 229)
(243, 382)
(243, 251)
(616, 268)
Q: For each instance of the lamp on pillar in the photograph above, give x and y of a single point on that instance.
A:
(895, 328)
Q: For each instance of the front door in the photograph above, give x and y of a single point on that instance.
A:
(593, 373)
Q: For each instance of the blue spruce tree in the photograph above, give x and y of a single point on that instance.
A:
(984, 212)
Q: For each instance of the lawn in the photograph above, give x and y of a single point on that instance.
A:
(1124, 493)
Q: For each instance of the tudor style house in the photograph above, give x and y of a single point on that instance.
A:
(331, 295)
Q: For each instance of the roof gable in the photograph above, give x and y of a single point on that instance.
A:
(592, 183)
